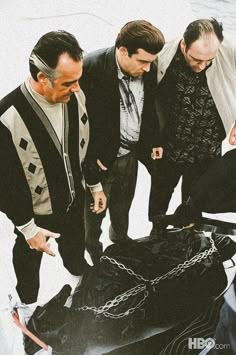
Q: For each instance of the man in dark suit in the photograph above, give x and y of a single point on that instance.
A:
(119, 84)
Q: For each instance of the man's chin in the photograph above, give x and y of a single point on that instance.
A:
(137, 75)
(65, 99)
(197, 70)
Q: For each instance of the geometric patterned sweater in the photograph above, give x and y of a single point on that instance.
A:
(38, 176)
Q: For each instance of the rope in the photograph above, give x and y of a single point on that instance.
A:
(27, 332)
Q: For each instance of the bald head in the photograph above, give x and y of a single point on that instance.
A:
(202, 28)
(201, 42)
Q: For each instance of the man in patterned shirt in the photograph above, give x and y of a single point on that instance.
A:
(196, 96)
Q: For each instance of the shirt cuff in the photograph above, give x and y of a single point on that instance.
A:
(96, 188)
(29, 230)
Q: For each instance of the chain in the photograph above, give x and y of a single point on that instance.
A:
(123, 267)
(130, 310)
(179, 269)
(117, 300)
(142, 288)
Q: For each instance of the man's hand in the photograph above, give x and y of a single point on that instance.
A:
(100, 202)
(232, 136)
(99, 198)
(157, 153)
(101, 166)
(39, 241)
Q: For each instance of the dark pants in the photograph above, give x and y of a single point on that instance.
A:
(119, 187)
(165, 177)
(71, 248)
(215, 191)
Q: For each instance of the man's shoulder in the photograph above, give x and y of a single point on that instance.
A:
(170, 46)
(9, 100)
(226, 55)
(229, 43)
(98, 57)
(168, 51)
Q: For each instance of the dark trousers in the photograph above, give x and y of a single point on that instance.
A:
(215, 191)
(71, 248)
(119, 187)
(165, 177)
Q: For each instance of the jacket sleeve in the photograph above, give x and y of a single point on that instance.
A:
(15, 195)
(90, 168)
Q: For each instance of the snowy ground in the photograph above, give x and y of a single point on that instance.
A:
(95, 23)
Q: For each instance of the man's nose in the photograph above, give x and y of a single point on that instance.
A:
(75, 87)
(146, 67)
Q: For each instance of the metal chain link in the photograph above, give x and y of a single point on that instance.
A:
(179, 269)
(117, 300)
(123, 267)
(130, 310)
(176, 271)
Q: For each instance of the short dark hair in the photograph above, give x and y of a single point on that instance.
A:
(50, 47)
(202, 27)
(140, 34)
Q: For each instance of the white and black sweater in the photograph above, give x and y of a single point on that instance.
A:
(39, 176)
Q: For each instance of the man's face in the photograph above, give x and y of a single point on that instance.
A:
(67, 82)
(201, 52)
(136, 64)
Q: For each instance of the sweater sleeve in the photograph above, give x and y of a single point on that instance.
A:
(29, 230)
(15, 196)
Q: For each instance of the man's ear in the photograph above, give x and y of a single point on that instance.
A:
(123, 51)
(183, 45)
(42, 79)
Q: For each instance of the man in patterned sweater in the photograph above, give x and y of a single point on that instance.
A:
(43, 140)
(196, 96)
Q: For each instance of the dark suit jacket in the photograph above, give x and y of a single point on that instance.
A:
(100, 85)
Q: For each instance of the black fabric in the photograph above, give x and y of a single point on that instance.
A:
(202, 326)
(27, 261)
(225, 245)
(215, 191)
(119, 188)
(173, 298)
(100, 85)
(15, 195)
(172, 301)
(226, 331)
(175, 341)
(53, 329)
(165, 177)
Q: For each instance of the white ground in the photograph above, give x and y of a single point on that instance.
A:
(95, 23)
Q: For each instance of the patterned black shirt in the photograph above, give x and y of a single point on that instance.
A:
(194, 131)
